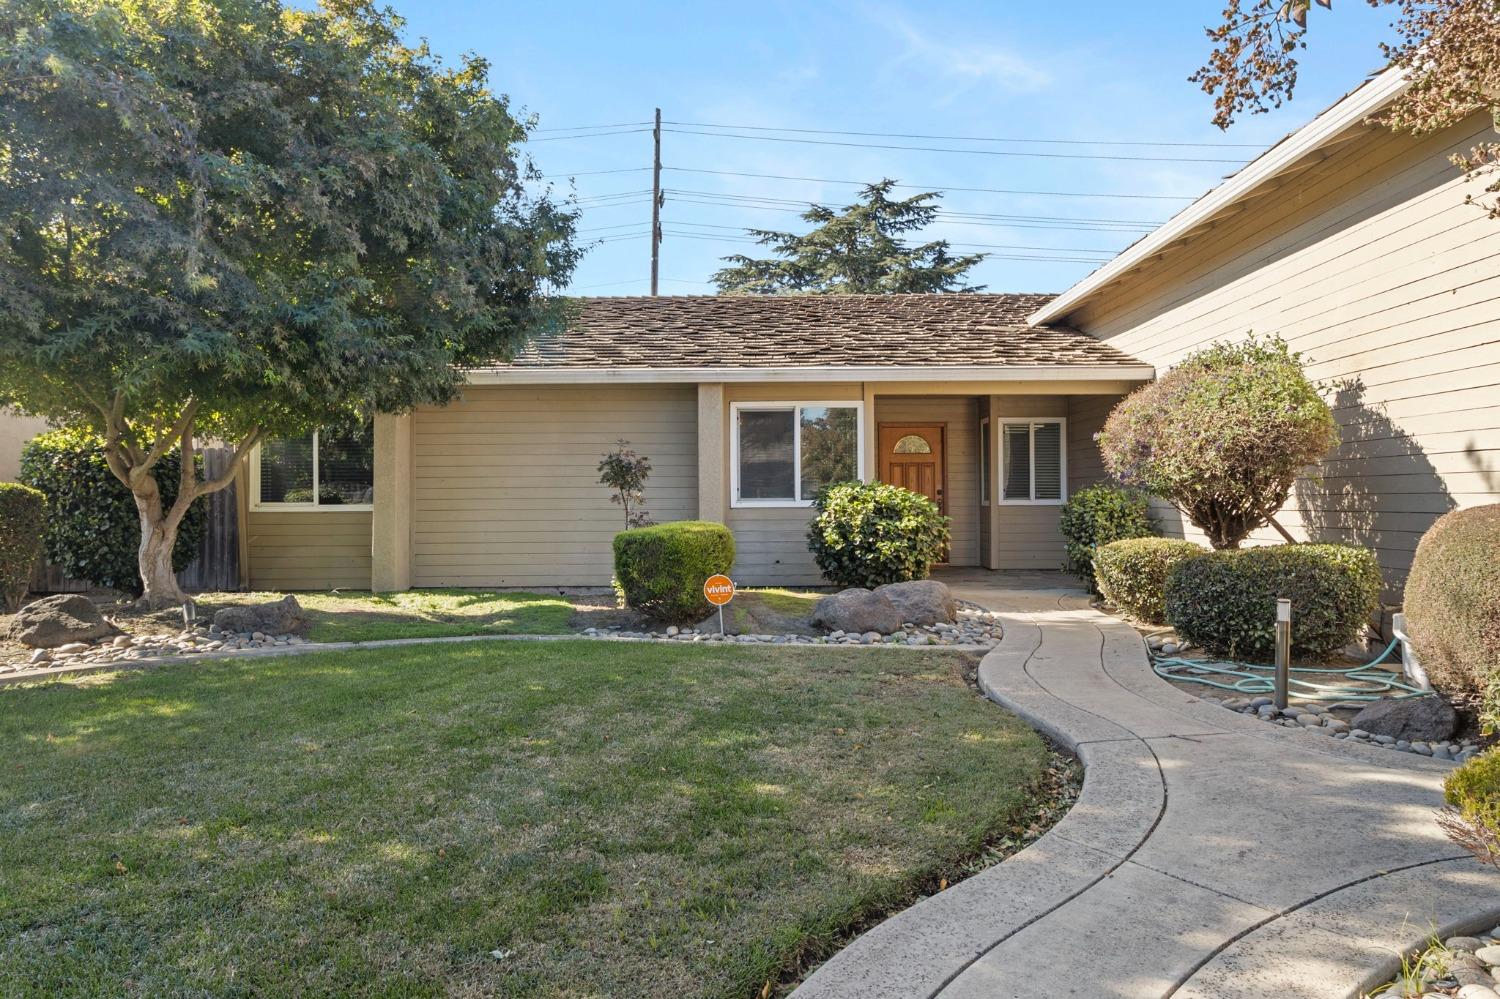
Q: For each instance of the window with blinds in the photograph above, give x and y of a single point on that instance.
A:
(1032, 462)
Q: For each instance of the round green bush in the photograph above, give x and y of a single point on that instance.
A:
(1133, 572)
(1452, 601)
(23, 517)
(1096, 515)
(93, 528)
(661, 569)
(872, 533)
(1225, 601)
(1223, 436)
(1473, 795)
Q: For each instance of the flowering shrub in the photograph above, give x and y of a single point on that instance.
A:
(1222, 436)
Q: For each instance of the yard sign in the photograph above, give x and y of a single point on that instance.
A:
(718, 590)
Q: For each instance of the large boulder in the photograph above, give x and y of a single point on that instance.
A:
(921, 601)
(279, 617)
(1415, 719)
(60, 620)
(858, 611)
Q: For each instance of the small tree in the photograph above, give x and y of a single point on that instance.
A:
(625, 471)
(236, 221)
(858, 250)
(1222, 436)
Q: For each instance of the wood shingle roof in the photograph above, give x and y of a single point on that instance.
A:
(856, 331)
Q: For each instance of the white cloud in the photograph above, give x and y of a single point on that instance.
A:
(959, 64)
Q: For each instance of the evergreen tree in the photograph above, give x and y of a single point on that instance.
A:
(855, 251)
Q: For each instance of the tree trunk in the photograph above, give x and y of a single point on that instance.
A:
(154, 557)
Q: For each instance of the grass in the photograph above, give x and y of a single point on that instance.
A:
(567, 819)
(359, 616)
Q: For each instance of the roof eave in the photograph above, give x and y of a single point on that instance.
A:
(826, 373)
(1349, 112)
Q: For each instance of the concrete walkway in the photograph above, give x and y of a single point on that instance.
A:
(1209, 856)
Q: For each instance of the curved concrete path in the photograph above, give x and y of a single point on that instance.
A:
(1210, 856)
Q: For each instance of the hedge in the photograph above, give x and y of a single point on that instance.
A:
(661, 569)
(1097, 515)
(1473, 795)
(869, 534)
(1225, 601)
(1132, 573)
(23, 518)
(1452, 602)
(93, 527)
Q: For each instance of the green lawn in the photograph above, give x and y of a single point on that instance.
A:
(359, 616)
(568, 819)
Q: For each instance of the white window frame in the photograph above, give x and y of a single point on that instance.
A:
(986, 458)
(795, 408)
(1062, 459)
(314, 507)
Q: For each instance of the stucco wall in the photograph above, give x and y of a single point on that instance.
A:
(15, 431)
(1371, 265)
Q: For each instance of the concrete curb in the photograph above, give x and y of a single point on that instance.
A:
(84, 669)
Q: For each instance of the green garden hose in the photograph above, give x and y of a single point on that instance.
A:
(1361, 683)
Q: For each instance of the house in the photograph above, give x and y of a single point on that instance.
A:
(745, 406)
(1352, 242)
(1355, 244)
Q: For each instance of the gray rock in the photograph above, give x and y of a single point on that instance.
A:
(1169, 649)
(1470, 944)
(279, 617)
(1489, 955)
(1384, 740)
(72, 648)
(53, 621)
(1259, 702)
(921, 601)
(1309, 720)
(1476, 990)
(857, 610)
(40, 656)
(1425, 719)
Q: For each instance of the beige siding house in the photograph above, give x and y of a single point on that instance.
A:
(745, 406)
(1355, 244)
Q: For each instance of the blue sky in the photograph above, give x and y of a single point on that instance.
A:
(1082, 72)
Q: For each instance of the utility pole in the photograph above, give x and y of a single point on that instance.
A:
(656, 203)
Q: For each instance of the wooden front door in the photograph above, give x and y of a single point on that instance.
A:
(912, 457)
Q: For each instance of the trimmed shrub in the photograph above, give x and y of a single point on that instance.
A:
(1222, 436)
(1452, 601)
(1096, 515)
(23, 518)
(868, 534)
(1472, 819)
(1225, 601)
(661, 569)
(93, 527)
(1132, 573)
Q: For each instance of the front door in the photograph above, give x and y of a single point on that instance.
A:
(912, 457)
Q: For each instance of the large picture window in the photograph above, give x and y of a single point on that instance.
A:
(784, 453)
(326, 468)
(1032, 461)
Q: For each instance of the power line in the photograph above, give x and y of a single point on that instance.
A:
(973, 138)
(589, 135)
(580, 128)
(952, 149)
(927, 187)
(802, 204)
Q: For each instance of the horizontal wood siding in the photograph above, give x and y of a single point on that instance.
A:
(309, 550)
(961, 414)
(505, 482)
(1372, 266)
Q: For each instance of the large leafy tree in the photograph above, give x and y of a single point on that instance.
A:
(237, 219)
(857, 250)
(1450, 49)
